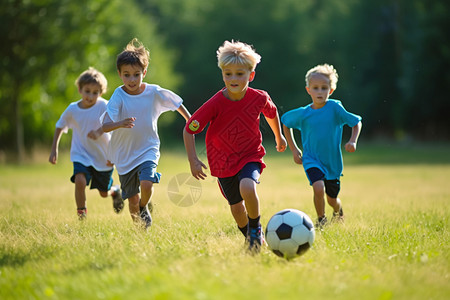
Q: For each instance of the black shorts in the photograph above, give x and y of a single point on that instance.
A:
(229, 186)
(101, 180)
(332, 187)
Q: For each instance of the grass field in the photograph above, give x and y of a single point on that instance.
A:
(394, 243)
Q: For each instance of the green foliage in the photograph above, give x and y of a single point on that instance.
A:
(391, 56)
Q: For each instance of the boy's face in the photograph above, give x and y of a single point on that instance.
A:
(319, 89)
(236, 78)
(132, 76)
(89, 93)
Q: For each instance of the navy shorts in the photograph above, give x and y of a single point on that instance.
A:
(101, 180)
(332, 187)
(130, 183)
(229, 186)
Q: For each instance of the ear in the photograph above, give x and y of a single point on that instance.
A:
(331, 92)
(144, 73)
(307, 90)
(252, 76)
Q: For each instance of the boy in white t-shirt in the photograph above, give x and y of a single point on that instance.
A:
(132, 114)
(89, 143)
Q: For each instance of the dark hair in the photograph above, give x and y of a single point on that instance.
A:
(134, 53)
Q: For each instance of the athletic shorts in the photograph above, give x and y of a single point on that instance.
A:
(101, 180)
(332, 187)
(229, 186)
(130, 183)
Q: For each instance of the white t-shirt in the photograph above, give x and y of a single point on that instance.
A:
(85, 150)
(131, 147)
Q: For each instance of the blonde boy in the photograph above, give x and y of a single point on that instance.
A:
(321, 123)
(233, 139)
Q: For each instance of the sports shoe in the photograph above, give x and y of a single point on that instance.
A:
(82, 213)
(145, 216)
(321, 222)
(338, 216)
(117, 199)
(255, 239)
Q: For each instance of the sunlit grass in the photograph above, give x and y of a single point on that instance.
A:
(394, 243)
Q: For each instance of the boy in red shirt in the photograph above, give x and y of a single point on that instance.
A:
(233, 139)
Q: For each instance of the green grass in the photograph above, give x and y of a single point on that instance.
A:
(394, 243)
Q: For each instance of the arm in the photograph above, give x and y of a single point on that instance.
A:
(95, 134)
(296, 152)
(276, 128)
(182, 110)
(351, 144)
(109, 125)
(54, 153)
(196, 165)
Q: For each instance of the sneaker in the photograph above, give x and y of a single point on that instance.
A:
(255, 239)
(82, 213)
(146, 217)
(321, 222)
(116, 195)
(338, 216)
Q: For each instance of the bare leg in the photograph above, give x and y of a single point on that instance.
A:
(319, 197)
(247, 188)
(146, 192)
(133, 205)
(239, 213)
(80, 190)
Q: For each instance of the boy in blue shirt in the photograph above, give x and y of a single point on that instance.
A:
(321, 123)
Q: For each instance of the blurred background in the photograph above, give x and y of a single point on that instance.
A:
(392, 56)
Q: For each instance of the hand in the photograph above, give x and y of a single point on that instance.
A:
(350, 147)
(53, 157)
(127, 123)
(95, 134)
(197, 169)
(281, 144)
(297, 154)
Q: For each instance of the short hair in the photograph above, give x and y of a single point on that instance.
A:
(92, 75)
(237, 53)
(325, 69)
(134, 53)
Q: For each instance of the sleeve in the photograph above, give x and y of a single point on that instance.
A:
(167, 100)
(270, 109)
(113, 108)
(200, 118)
(292, 118)
(64, 120)
(346, 117)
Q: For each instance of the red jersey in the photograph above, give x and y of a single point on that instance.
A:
(233, 138)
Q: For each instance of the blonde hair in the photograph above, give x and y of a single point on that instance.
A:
(237, 53)
(94, 76)
(325, 69)
(134, 53)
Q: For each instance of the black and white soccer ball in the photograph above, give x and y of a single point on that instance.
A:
(290, 233)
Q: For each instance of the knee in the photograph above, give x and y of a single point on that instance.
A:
(80, 180)
(247, 187)
(332, 201)
(134, 200)
(319, 188)
(146, 186)
(103, 194)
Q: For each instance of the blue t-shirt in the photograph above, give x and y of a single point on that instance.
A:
(321, 131)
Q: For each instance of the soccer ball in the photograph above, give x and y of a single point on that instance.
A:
(290, 233)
